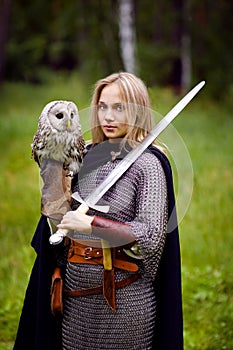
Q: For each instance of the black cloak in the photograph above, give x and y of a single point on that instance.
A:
(39, 329)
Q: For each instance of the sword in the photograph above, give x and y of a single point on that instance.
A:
(92, 199)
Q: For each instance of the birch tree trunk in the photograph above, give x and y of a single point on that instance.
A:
(127, 34)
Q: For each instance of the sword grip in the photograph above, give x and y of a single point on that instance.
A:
(58, 236)
(83, 208)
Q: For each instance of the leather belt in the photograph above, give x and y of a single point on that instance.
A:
(99, 289)
(88, 252)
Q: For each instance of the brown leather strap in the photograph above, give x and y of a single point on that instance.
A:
(99, 289)
(109, 288)
(81, 252)
(88, 252)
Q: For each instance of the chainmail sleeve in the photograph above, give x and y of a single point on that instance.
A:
(149, 225)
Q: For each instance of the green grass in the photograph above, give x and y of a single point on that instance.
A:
(205, 231)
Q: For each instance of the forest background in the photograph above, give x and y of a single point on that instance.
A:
(58, 49)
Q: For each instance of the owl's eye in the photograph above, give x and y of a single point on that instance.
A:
(59, 115)
(72, 115)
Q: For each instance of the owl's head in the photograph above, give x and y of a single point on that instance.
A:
(61, 116)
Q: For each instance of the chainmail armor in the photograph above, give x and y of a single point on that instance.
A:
(139, 198)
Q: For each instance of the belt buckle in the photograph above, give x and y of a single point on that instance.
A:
(88, 250)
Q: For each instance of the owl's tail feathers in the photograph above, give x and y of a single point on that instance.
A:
(56, 190)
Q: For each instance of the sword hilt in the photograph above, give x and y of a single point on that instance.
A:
(58, 236)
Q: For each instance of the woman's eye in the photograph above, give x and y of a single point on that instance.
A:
(102, 107)
(120, 108)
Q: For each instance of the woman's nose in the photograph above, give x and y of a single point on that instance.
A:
(109, 116)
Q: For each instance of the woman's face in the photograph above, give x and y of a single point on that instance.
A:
(111, 113)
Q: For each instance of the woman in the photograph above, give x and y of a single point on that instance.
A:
(129, 295)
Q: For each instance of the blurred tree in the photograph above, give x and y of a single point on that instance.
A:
(155, 23)
(5, 6)
(178, 41)
(28, 39)
(127, 34)
(62, 34)
(164, 42)
(212, 44)
(180, 77)
(98, 41)
(186, 59)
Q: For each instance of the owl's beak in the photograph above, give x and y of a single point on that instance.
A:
(68, 123)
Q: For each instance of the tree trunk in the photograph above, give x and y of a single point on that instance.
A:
(5, 6)
(176, 34)
(127, 34)
(186, 62)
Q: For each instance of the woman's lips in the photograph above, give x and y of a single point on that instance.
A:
(109, 127)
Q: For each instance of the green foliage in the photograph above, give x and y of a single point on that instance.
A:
(84, 35)
(62, 35)
(154, 55)
(212, 44)
(208, 307)
(205, 232)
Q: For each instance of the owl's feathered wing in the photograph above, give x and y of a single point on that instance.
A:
(37, 146)
(67, 149)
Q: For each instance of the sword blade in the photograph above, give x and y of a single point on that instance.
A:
(131, 157)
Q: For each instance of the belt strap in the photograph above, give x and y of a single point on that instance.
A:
(99, 289)
(85, 253)
(82, 252)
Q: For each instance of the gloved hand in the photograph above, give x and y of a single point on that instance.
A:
(56, 190)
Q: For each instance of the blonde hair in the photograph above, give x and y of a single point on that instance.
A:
(135, 95)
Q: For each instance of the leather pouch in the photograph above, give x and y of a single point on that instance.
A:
(56, 293)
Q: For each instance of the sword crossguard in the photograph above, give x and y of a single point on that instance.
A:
(101, 208)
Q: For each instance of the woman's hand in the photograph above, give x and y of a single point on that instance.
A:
(78, 221)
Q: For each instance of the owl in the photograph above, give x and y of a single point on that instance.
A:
(57, 148)
(59, 136)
